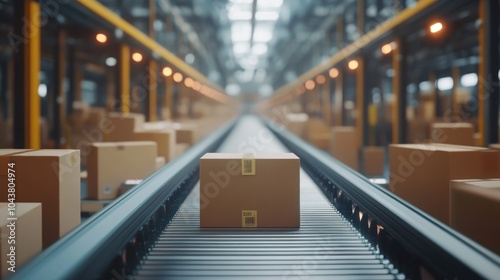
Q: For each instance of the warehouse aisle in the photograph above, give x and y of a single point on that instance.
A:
(324, 246)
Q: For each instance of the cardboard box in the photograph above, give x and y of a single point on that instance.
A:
(180, 149)
(95, 116)
(344, 146)
(51, 177)
(473, 208)
(315, 126)
(418, 131)
(296, 123)
(185, 133)
(27, 241)
(453, 133)
(122, 127)
(420, 173)
(373, 160)
(165, 141)
(495, 146)
(320, 140)
(110, 164)
(230, 199)
(160, 162)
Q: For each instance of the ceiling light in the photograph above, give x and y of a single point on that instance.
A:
(436, 27)
(262, 35)
(111, 61)
(137, 57)
(188, 82)
(167, 71)
(334, 73)
(266, 15)
(320, 79)
(353, 64)
(310, 85)
(259, 49)
(178, 77)
(239, 15)
(425, 86)
(445, 83)
(386, 49)
(240, 36)
(42, 90)
(270, 3)
(233, 89)
(241, 48)
(469, 80)
(101, 38)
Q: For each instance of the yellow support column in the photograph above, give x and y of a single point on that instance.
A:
(125, 78)
(396, 91)
(169, 97)
(360, 98)
(152, 90)
(482, 83)
(32, 49)
(339, 99)
(455, 105)
(326, 102)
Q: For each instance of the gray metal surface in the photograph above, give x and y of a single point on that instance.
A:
(325, 246)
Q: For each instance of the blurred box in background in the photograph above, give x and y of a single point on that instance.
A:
(453, 133)
(373, 161)
(344, 147)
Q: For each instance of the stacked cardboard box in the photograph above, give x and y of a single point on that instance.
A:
(165, 142)
(318, 133)
(474, 206)
(420, 173)
(238, 190)
(296, 123)
(344, 146)
(453, 133)
(51, 177)
(26, 239)
(122, 127)
(495, 146)
(110, 164)
(373, 160)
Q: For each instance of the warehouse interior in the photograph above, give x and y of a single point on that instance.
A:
(249, 139)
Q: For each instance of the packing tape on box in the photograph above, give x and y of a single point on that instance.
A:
(248, 164)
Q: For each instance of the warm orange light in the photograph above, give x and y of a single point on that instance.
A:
(334, 73)
(310, 85)
(353, 64)
(188, 82)
(320, 79)
(436, 27)
(167, 71)
(196, 85)
(178, 77)
(386, 49)
(101, 38)
(137, 57)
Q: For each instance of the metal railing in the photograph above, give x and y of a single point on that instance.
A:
(409, 238)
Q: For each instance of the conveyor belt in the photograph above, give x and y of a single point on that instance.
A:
(325, 245)
(152, 231)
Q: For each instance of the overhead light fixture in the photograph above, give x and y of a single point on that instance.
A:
(137, 57)
(270, 3)
(353, 64)
(178, 77)
(436, 27)
(42, 90)
(310, 85)
(267, 15)
(101, 38)
(262, 35)
(196, 85)
(334, 73)
(167, 71)
(241, 48)
(259, 49)
(239, 36)
(239, 15)
(188, 82)
(233, 89)
(445, 83)
(469, 80)
(320, 79)
(386, 49)
(110, 61)
(425, 86)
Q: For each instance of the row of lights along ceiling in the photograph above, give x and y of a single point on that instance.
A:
(166, 71)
